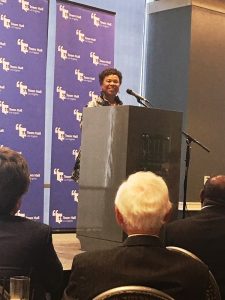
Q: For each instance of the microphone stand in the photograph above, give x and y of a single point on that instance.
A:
(189, 140)
(144, 102)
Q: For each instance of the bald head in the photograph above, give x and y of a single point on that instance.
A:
(214, 190)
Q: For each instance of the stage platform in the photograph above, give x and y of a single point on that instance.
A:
(66, 246)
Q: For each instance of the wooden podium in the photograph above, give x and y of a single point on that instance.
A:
(116, 142)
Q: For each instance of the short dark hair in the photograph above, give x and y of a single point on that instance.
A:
(214, 188)
(14, 179)
(110, 71)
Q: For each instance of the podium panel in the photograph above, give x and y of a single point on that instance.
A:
(116, 142)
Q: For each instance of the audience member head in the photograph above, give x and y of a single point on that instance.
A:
(142, 204)
(14, 180)
(108, 72)
(214, 191)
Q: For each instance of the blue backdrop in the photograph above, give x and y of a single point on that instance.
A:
(84, 47)
(23, 51)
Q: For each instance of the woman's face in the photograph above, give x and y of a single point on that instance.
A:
(110, 85)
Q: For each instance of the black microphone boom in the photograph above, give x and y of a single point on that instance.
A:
(139, 98)
(130, 92)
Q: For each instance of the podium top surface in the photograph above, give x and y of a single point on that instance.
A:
(129, 107)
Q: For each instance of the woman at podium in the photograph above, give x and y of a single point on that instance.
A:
(110, 81)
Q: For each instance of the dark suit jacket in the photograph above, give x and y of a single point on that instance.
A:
(26, 249)
(204, 235)
(141, 260)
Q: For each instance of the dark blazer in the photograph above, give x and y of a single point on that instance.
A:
(204, 235)
(141, 260)
(27, 249)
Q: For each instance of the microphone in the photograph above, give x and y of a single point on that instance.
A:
(139, 97)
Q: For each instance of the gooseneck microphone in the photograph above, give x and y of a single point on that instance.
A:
(130, 92)
(139, 98)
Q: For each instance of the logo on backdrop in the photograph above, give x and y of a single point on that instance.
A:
(25, 48)
(8, 24)
(26, 6)
(98, 22)
(25, 91)
(24, 133)
(20, 214)
(2, 130)
(93, 96)
(64, 95)
(2, 44)
(57, 215)
(64, 54)
(78, 115)
(60, 218)
(2, 87)
(96, 60)
(6, 109)
(82, 77)
(6, 66)
(75, 195)
(60, 176)
(66, 14)
(23, 215)
(83, 38)
(75, 153)
(35, 176)
(62, 136)
(3, 2)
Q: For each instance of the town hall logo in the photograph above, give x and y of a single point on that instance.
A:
(77, 114)
(94, 97)
(83, 38)
(6, 109)
(24, 133)
(7, 66)
(60, 176)
(75, 194)
(98, 22)
(27, 7)
(67, 15)
(2, 87)
(96, 60)
(25, 48)
(58, 216)
(2, 44)
(3, 2)
(24, 90)
(61, 218)
(65, 95)
(83, 77)
(35, 176)
(63, 136)
(9, 24)
(75, 153)
(65, 54)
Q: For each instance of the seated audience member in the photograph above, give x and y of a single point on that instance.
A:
(204, 234)
(141, 208)
(26, 246)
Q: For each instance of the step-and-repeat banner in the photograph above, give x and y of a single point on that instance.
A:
(23, 45)
(84, 47)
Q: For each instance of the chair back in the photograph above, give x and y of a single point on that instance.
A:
(133, 293)
(213, 291)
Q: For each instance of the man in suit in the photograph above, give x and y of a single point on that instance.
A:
(26, 246)
(204, 234)
(141, 207)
